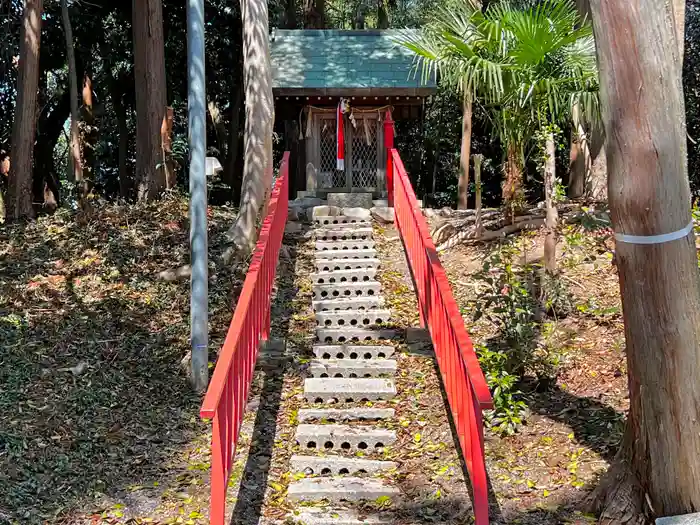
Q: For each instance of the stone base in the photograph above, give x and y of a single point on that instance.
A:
(350, 200)
(687, 519)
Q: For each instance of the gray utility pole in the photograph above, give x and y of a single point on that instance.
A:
(196, 106)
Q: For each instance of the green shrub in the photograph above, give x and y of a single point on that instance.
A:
(515, 299)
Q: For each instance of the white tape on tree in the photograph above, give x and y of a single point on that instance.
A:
(655, 239)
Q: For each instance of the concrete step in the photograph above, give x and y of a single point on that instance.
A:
(352, 368)
(318, 516)
(331, 415)
(336, 490)
(337, 246)
(343, 438)
(339, 234)
(344, 318)
(338, 465)
(342, 221)
(324, 390)
(332, 265)
(332, 255)
(347, 290)
(356, 303)
(353, 351)
(357, 275)
(355, 335)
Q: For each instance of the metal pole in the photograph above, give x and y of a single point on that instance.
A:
(196, 106)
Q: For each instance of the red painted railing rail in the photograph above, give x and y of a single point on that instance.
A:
(467, 391)
(226, 397)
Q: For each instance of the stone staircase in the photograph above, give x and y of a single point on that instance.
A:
(339, 436)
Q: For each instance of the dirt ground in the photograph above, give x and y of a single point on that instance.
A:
(543, 473)
(98, 424)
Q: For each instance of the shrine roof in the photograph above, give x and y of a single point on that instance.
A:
(342, 63)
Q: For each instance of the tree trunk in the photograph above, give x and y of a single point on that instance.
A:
(465, 152)
(382, 15)
(513, 170)
(125, 178)
(290, 15)
(232, 173)
(259, 123)
(649, 196)
(166, 141)
(149, 68)
(478, 226)
(550, 241)
(46, 185)
(597, 185)
(19, 194)
(579, 157)
(220, 132)
(76, 162)
(678, 10)
(314, 14)
(89, 134)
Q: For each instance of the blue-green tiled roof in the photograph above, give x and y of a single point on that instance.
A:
(336, 60)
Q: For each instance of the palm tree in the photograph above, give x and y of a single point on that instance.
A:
(528, 62)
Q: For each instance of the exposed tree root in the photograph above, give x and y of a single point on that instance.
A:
(460, 226)
(619, 498)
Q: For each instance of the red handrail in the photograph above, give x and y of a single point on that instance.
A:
(467, 391)
(227, 395)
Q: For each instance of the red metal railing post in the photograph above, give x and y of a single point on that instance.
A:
(389, 145)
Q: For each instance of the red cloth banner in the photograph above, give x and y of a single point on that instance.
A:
(340, 133)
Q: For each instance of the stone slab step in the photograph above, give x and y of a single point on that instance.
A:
(356, 303)
(356, 275)
(314, 516)
(355, 335)
(352, 368)
(337, 246)
(353, 351)
(344, 318)
(323, 390)
(343, 438)
(347, 290)
(332, 415)
(332, 265)
(332, 255)
(338, 465)
(337, 490)
(339, 234)
(342, 221)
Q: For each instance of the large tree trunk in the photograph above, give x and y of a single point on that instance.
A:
(658, 469)
(259, 123)
(465, 152)
(76, 162)
(550, 240)
(19, 195)
(149, 67)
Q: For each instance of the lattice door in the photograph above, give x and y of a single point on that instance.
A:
(328, 176)
(364, 153)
